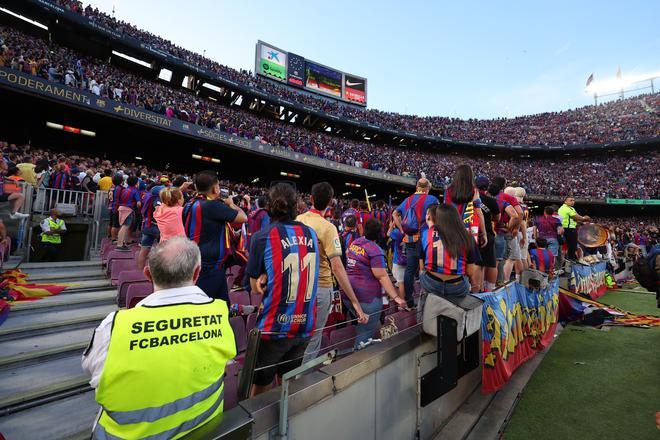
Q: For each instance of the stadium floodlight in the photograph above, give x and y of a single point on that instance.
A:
(616, 84)
(346, 193)
(212, 87)
(25, 19)
(132, 59)
(138, 158)
(165, 75)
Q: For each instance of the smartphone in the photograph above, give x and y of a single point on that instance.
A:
(224, 193)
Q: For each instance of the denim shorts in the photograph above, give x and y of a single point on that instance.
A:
(150, 235)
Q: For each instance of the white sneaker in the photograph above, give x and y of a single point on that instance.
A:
(18, 216)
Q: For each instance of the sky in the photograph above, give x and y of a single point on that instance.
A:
(467, 59)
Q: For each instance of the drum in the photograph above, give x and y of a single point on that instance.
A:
(592, 235)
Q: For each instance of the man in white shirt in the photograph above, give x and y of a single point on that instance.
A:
(176, 340)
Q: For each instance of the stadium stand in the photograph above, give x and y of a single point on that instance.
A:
(617, 121)
(37, 57)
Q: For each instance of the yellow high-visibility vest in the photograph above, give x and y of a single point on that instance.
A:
(164, 372)
(56, 238)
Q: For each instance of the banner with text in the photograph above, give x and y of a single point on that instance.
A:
(35, 85)
(516, 324)
(588, 280)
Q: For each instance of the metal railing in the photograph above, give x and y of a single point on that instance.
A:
(76, 203)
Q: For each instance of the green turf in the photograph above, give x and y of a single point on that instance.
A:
(595, 384)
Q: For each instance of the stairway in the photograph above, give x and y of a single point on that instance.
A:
(44, 393)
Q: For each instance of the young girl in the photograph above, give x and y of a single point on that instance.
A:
(168, 214)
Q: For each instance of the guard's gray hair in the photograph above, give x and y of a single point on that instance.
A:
(172, 263)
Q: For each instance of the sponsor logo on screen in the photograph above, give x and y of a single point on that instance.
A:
(272, 62)
(355, 89)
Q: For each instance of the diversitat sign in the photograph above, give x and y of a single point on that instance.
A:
(14, 79)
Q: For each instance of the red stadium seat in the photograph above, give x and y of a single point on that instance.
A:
(238, 326)
(117, 255)
(251, 322)
(137, 292)
(403, 319)
(256, 299)
(343, 338)
(232, 369)
(126, 278)
(239, 297)
(119, 266)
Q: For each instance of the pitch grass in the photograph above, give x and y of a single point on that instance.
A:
(595, 384)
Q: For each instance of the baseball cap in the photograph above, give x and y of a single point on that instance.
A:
(481, 182)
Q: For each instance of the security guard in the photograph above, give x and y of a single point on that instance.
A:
(52, 229)
(158, 368)
(569, 221)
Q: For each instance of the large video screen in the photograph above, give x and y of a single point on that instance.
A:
(296, 70)
(272, 62)
(355, 89)
(322, 79)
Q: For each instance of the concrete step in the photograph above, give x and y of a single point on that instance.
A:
(28, 267)
(28, 383)
(87, 285)
(31, 324)
(65, 275)
(69, 418)
(41, 347)
(80, 299)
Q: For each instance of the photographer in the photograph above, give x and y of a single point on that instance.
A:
(205, 219)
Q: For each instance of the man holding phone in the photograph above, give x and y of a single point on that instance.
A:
(206, 218)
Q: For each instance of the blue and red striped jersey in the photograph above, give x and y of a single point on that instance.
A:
(399, 251)
(61, 180)
(436, 258)
(381, 216)
(129, 197)
(207, 223)
(542, 260)
(287, 252)
(116, 193)
(149, 203)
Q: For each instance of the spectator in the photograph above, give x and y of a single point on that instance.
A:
(486, 272)
(541, 258)
(126, 365)
(399, 262)
(206, 220)
(330, 264)
(150, 230)
(409, 217)
(549, 228)
(113, 204)
(168, 213)
(507, 245)
(129, 202)
(15, 199)
(106, 181)
(284, 268)
(367, 272)
(448, 253)
(27, 172)
(349, 235)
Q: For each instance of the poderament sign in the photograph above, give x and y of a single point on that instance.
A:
(296, 70)
(355, 89)
(272, 62)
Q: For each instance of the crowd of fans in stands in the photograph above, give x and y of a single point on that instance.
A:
(609, 177)
(84, 173)
(630, 119)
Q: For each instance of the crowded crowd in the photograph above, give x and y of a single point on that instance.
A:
(610, 177)
(625, 120)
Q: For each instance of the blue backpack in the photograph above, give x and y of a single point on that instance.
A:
(411, 217)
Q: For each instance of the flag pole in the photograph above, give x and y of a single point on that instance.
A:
(366, 196)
